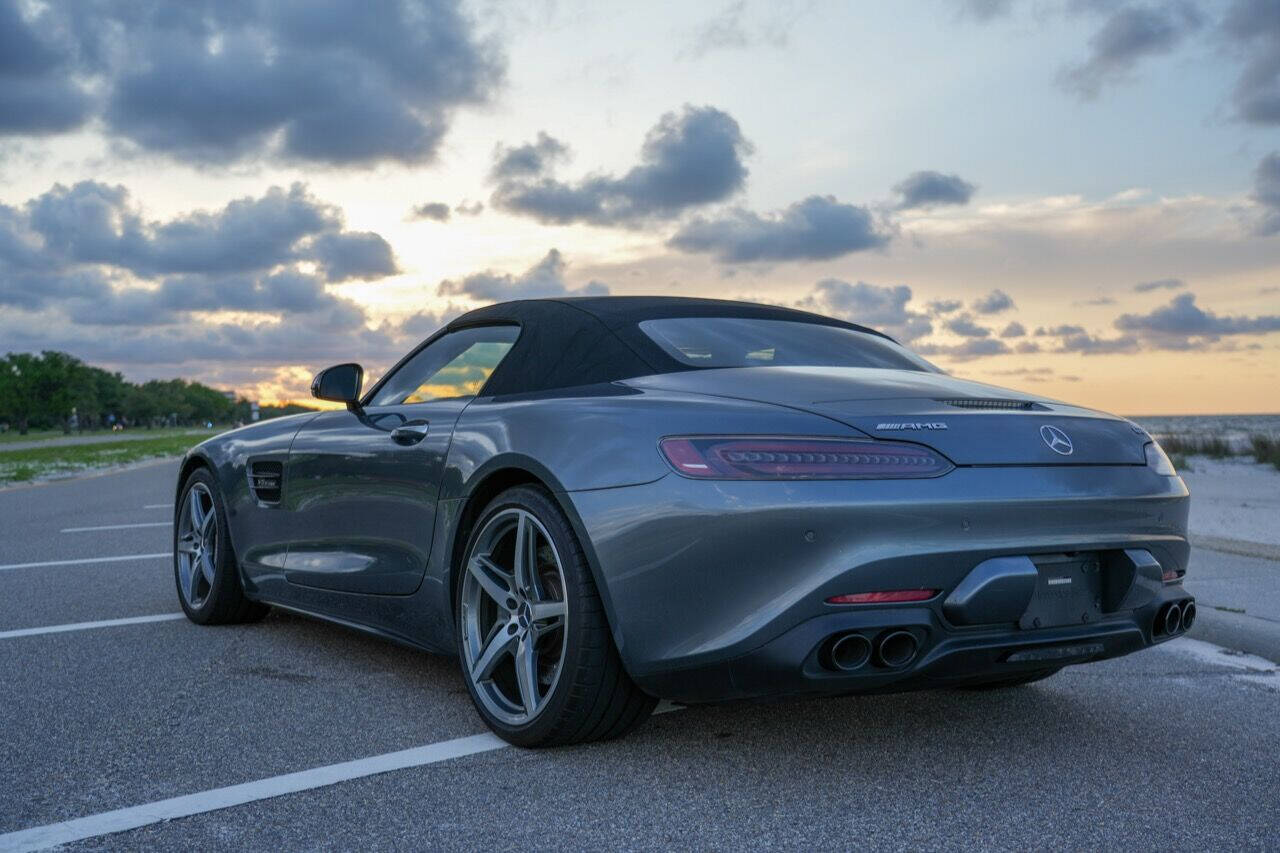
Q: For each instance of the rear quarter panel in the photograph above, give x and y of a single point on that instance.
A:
(597, 439)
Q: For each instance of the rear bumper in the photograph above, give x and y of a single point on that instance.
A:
(793, 665)
(717, 589)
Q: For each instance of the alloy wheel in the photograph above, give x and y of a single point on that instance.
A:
(197, 545)
(514, 616)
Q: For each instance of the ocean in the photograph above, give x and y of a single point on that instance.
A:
(1234, 429)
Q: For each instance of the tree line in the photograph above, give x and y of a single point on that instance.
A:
(56, 390)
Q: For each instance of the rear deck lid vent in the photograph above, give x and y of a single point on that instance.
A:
(265, 480)
(992, 403)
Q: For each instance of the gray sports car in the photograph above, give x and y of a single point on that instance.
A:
(598, 502)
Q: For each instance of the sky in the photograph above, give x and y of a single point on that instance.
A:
(1074, 198)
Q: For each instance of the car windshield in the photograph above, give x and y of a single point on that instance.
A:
(745, 342)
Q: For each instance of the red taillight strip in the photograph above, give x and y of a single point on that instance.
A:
(794, 458)
(893, 596)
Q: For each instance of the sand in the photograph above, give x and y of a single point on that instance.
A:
(1234, 499)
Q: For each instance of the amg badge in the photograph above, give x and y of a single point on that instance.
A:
(912, 425)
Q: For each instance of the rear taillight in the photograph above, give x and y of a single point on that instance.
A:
(892, 596)
(731, 458)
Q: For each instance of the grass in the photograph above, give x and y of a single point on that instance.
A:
(38, 462)
(12, 436)
(1182, 445)
(1266, 450)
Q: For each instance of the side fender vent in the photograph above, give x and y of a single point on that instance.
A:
(987, 403)
(265, 480)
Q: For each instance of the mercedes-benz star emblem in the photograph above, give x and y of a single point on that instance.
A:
(1056, 439)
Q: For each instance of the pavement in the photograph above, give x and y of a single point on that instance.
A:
(293, 734)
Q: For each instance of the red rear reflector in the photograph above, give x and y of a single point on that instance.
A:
(1172, 575)
(731, 458)
(889, 597)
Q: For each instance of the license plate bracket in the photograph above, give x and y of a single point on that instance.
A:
(1068, 591)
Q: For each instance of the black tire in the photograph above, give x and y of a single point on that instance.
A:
(225, 602)
(1013, 680)
(593, 698)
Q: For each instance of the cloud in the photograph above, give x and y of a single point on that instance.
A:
(967, 351)
(82, 269)
(929, 189)
(37, 95)
(1159, 284)
(936, 307)
(1266, 192)
(469, 208)
(352, 255)
(1130, 34)
(250, 80)
(1184, 325)
(688, 159)
(437, 211)
(993, 303)
(529, 160)
(964, 326)
(1013, 330)
(543, 279)
(985, 10)
(1097, 300)
(731, 29)
(817, 228)
(1035, 374)
(1254, 28)
(879, 307)
(1083, 342)
(93, 223)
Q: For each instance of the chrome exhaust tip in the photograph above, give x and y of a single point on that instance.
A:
(1188, 615)
(898, 648)
(850, 652)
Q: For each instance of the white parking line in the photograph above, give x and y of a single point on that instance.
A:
(115, 526)
(105, 823)
(121, 820)
(87, 560)
(84, 626)
(158, 506)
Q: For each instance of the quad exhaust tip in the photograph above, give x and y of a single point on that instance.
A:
(1188, 615)
(1177, 617)
(850, 652)
(897, 648)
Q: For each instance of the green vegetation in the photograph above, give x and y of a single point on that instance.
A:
(36, 462)
(58, 392)
(1266, 449)
(1211, 446)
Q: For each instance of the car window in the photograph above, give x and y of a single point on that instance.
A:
(455, 365)
(747, 342)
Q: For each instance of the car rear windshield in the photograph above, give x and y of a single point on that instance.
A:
(745, 342)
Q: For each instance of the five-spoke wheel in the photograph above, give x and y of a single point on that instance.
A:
(514, 615)
(204, 565)
(197, 548)
(537, 654)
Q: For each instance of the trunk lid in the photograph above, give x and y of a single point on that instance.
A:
(970, 422)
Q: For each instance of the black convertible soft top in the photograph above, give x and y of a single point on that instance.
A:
(588, 340)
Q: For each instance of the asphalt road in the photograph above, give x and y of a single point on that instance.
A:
(1170, 747)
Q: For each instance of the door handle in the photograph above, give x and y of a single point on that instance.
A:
(409, 432)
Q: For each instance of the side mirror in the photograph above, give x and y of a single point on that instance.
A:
(339, 384)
